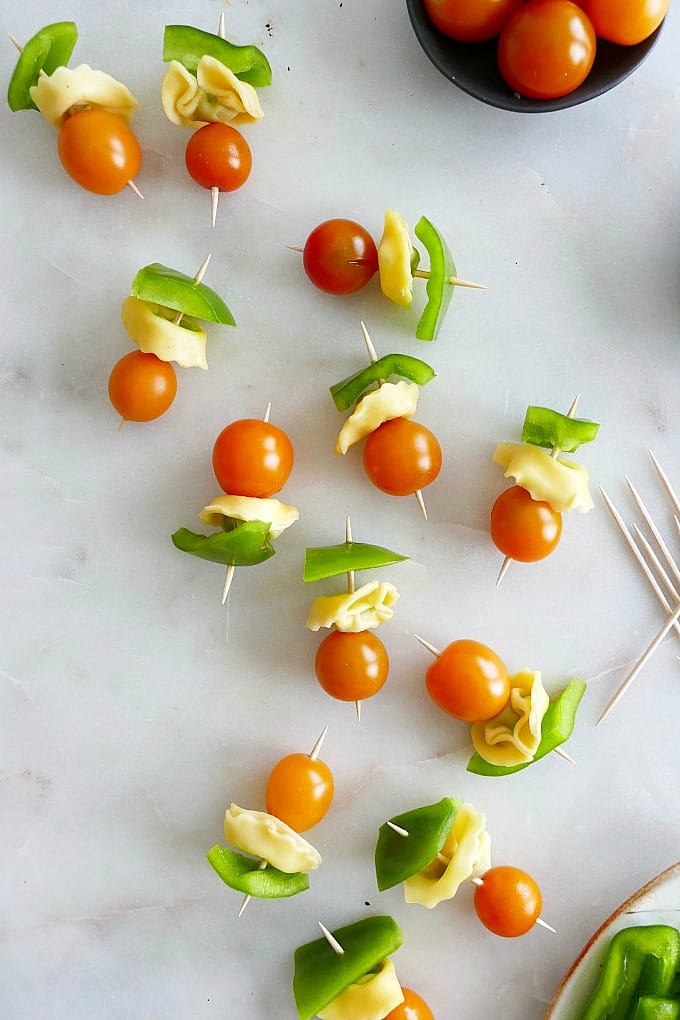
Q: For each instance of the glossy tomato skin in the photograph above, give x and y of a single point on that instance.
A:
(402, 456)
(412, 1008)
(99, 151)
(218, 156)
(351, 666)
(508, 901)
(299, 791)
(468, 681)
(626, 22)
(142, 387)
(340, 256)
(470, 20)
(546, 48)
(252, 457)
(524, 528)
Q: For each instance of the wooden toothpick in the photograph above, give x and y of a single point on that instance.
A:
(374, 357)
(215, 191)
(350, 591)
(331, 939)
(554, 454)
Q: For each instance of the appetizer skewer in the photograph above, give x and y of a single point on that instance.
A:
(211, 85)
(90, 110)
(340, 257)
(513, 721)
(526, 519)
(351, 663)
(400, 456)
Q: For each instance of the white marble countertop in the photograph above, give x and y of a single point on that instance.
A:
(134, 706)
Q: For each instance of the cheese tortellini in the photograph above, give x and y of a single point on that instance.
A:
(391, 400)
(394, 260)
(468, 850)
(215, 94)
(372, 997)
(263, 835)
(153, 329)
(69, 89)
(250, 508)
(512, 737)
(555, 480)
(364, 609)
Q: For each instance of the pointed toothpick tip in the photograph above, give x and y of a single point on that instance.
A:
(331, 939)
(133, 187)
(357, 706)
(316, 750)
(220, 25)
(369, 343)
(228, 578)
(505, 566)
(563, 754)
(265, 417)
(214, 202)
(14, 41)
(544, 924)
(400, 831)
(200, 272)
(421, 502)
(426, 644)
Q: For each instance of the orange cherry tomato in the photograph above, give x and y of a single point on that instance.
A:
(412, 1008)
(218, 156)
(626, 22)
(468, 681)
(402, 456)
(299, 791)
(252, 457)
(508, 901)
(99, 151)
(546, 48)
(340, 256)
(523, 528)
(470, 20)
(142, 387)
(351, 666)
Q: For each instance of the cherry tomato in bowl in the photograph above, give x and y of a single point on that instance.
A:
(252, 457)
(626, 22)
(99, 151)
(340, 256)
(468, 681)
(508, 901)
(218, 156)
(471, 21)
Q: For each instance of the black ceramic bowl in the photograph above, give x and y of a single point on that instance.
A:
(474, 69)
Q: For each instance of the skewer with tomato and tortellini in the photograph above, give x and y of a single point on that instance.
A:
(89, 109)
(400, 456)
(433, 850)
(298, 795)
(341, 257)
(526, 519)
(252, 461)
(163, 315)
(514, 723)
(351, 663)
(347, 974)
(211, 85)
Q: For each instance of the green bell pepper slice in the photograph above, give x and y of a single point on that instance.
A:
(653, 1007)
(321, 974)
(246, 875)
(245, 545)
(399, 857)
(439, 290)
(557, 727)
(640, 961)
(348, 391)
(331, 560)
(168, 287)
(188, 45)
(44, 52)
(544, 427)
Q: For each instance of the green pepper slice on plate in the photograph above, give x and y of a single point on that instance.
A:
(187, 45)
(331, 560)
(321, 974)
(557, 727)
(398, 857)
(439, 289)
(347, 391)
(246, 875)
(168, 287)
(245, 545)
(548, 428)
(44, 52)
(640, 961)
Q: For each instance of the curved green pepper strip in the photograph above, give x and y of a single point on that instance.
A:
(640, 961)
(172, 289)
(399, 857)
(188, 45)
(246, 875)
(544, 427)
(557, 727)
(653, 1007)
(348, 391)
(44, 52)
(331, 560)
(439, 291)
(321, 974)
(245, 545)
